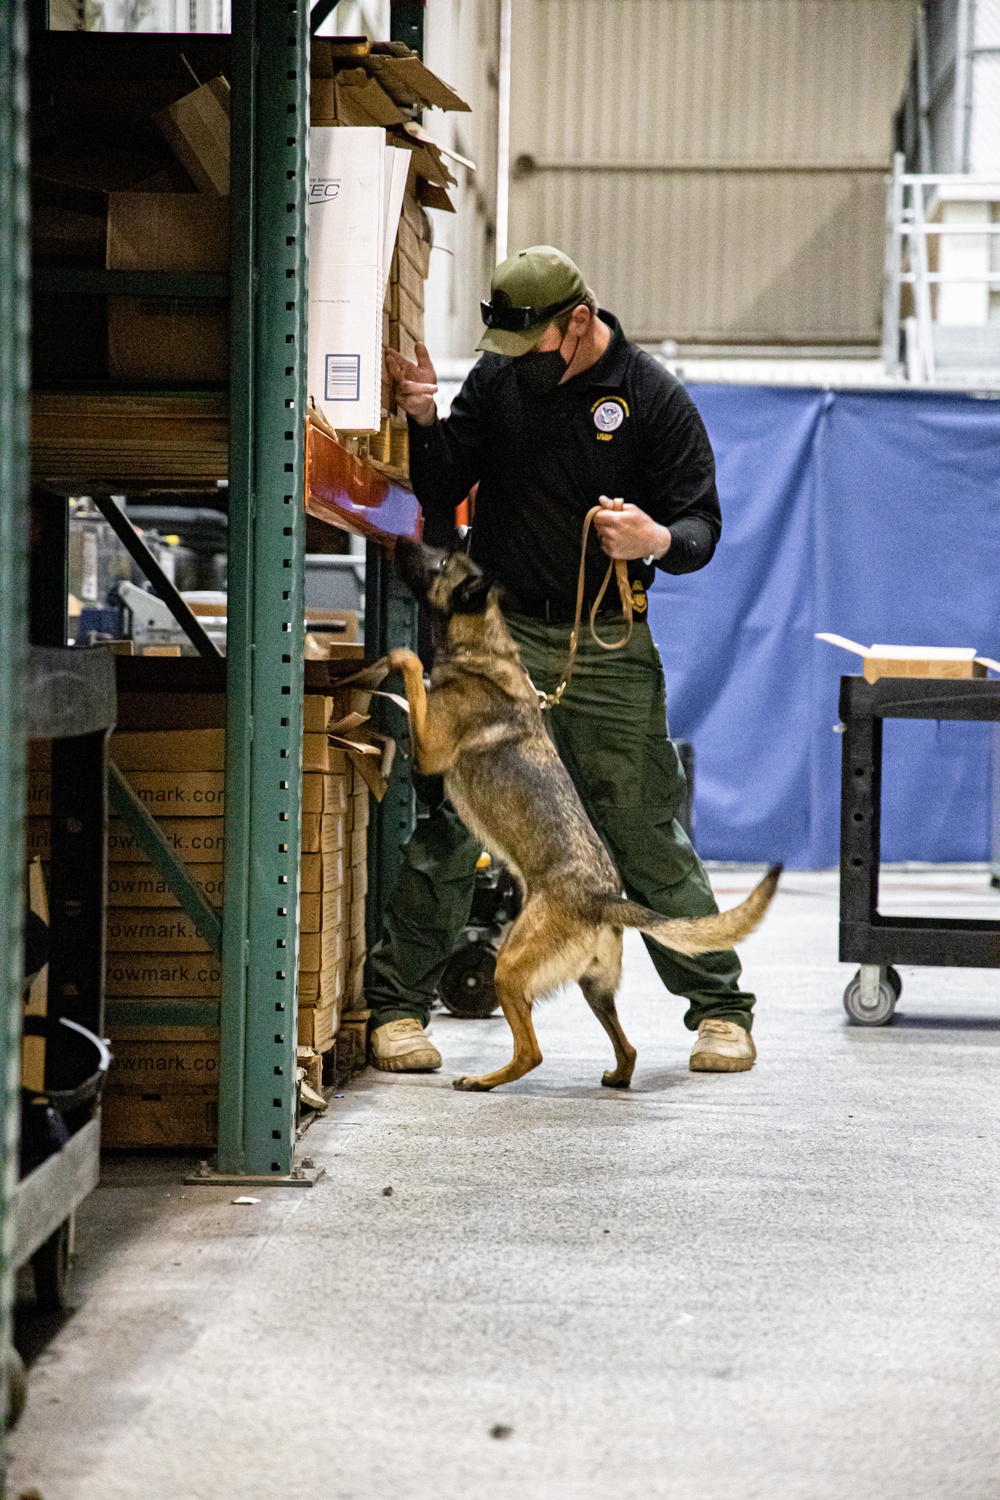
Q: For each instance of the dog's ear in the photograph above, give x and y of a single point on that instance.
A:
(470, 596)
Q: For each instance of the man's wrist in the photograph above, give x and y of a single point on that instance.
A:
(663, 540)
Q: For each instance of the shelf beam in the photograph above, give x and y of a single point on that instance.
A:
(266, 631)
(92, 281)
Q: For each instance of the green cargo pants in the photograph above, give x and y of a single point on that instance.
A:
(611, 731)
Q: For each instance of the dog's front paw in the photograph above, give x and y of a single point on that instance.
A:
(471, 1086)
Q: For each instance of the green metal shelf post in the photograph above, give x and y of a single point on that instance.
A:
(14, 380)
(268, 289)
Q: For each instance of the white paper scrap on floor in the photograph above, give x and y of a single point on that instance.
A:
(774, 1285)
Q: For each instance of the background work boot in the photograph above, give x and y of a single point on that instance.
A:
(403, 1047)
(722, 1047)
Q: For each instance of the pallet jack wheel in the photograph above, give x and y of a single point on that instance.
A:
(880, 1014)
(50, 1267)
(466, 986)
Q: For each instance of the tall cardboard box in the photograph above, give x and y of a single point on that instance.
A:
(346, 226)
(159, 338)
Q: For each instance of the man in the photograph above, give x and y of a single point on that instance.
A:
(561, 413)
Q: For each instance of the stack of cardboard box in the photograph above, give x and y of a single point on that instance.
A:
(163, 1084)
(384, 84)
(334, 880)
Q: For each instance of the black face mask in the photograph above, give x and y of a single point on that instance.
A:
(539, 374)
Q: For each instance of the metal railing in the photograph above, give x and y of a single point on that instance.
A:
(907, 262)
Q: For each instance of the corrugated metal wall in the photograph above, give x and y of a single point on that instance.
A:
(715, 166)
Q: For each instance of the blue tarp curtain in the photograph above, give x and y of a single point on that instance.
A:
(872, 514)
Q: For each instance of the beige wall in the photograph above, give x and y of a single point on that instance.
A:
(460, 44)
(715, 166)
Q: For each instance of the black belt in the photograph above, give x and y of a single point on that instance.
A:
(551, 611)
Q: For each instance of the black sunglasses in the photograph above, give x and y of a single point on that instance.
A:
(501, 314)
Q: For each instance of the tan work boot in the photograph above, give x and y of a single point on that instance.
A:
(722, 1047)
(404, 1047)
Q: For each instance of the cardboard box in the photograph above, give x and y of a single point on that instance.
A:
(333, 869)
(323, 833)
(170, 750)
(164, 339)
(140, 886)
(190, 794)
(123, 1033)
(164, 1067)
(324, 794)
(196, 128)
(316, 711)
(320, 909)
(199, 841)
(355, 883)
(319, 755)
(317, 1027)
(167, 232)
(346, 233)
(180, 1121)
(354, 986)
(321, 950)
(359, 847)
(129, 931)
(413, 244)
(322, 987)
(915, 661)
(162, 976)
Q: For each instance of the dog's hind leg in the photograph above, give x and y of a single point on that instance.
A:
(518, 980)
(599, 986)
(527, 1053)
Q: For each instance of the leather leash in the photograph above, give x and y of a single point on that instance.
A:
(618, 566)
(620, 569)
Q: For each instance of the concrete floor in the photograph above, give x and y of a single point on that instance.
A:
(781, 1285)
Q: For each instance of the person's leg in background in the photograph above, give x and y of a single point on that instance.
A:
(611, 731)
(424, 917)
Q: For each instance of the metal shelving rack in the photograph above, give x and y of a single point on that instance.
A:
(266, 633)
(14, 379)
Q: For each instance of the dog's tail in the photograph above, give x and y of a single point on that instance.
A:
(693, 935)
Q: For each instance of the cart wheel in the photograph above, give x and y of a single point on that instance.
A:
(879, 1014)
(466, 986)
(17, 1387)
(50, 1265)
(893, 977)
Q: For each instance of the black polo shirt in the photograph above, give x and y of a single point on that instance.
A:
(625, 427)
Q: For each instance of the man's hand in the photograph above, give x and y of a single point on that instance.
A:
(629, 533)
(415, 385)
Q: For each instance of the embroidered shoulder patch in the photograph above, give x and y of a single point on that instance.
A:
(609, 414)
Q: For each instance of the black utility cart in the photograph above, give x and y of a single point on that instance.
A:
(867, 938)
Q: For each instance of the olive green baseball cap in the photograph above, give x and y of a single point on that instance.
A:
(527, 291)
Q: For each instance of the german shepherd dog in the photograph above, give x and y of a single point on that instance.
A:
(481, 726)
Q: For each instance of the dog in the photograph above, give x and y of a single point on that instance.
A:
(481, 727)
